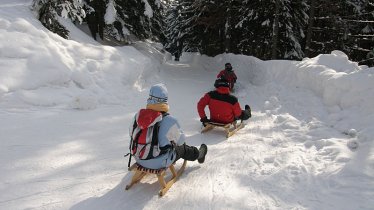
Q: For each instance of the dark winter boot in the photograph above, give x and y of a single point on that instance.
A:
(202, 152)
(248, 109)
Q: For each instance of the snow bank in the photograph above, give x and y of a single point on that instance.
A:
(340, 82)
(331, 76)
(32, 58)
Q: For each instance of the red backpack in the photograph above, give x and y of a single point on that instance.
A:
(144, 134)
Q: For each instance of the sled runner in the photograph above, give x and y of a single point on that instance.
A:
(230, 128)
(140, 172)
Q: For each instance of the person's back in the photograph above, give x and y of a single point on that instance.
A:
(223, 107)
(164, 156)
(229, 75)
(169, 144)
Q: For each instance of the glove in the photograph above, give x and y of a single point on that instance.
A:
(204, 120)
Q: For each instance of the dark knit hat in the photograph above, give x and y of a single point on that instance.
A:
(220, 82)
(228, 66)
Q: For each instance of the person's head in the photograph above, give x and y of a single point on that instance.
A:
(228, 67)
(220, 82)
(158, 98)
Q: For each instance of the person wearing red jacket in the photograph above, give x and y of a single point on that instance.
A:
(229, 75)
(223, 107)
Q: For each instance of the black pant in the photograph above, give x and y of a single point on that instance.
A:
(186, 152)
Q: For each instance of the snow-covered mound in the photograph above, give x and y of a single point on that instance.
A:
(33, 60)
(331, 76)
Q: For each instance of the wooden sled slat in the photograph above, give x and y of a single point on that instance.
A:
(230, 129)
(207, 127)
(173, 180)
(132, 167)
(136, 178)
(140, 172)
(234, 130)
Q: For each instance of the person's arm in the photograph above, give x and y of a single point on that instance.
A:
(237, 110)
(235, 77)
(203, 102)
(220, 74)
(169, 132)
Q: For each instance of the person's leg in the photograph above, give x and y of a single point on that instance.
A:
(187, 152)
(191, 153)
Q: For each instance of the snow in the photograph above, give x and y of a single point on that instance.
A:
(148, 9)
(111, 13)
(66, 105)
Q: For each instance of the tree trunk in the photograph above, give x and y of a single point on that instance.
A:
(228, 28)
(275, 31)
(310, 28)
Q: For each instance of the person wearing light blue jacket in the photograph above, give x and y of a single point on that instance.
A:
(171, 139)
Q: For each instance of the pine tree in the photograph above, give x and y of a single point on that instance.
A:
(359, 37)
(268, 29)
(366, 33)
(328, 27)
(190, 37)
(246, 39)
(343, 25)
(114, 28)
(132, 13)
(157, 21)
(293, 21)
(95, 17)
(257, 27)
(49, 10)
(210, 19)
(311, 14)
(173, 28)
(208, 26)
(121, 19)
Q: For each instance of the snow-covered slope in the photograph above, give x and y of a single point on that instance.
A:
(66, 105)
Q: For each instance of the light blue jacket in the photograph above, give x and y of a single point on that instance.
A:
(170, 130)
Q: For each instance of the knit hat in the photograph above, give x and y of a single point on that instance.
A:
(158, 94)
(221, 83)
(228, 67)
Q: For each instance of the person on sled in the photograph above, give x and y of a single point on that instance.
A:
(229, 75)
(169, 136)
(224, 108)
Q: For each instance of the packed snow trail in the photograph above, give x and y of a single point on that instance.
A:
(270, 164)
(65, 109)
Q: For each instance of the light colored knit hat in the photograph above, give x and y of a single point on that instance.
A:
(158, 94)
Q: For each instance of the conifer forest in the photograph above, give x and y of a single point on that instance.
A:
(266, 29)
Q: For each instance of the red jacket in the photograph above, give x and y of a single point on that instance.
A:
(223, 107)
(230, 76)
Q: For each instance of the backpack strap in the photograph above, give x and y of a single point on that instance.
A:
(132, 133)
(131, 146)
